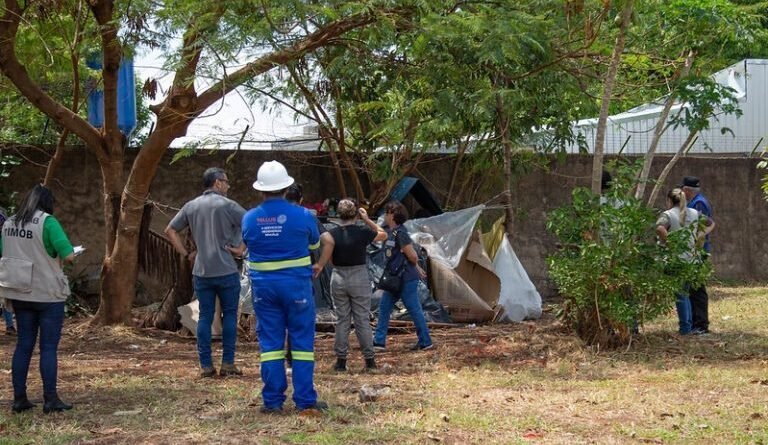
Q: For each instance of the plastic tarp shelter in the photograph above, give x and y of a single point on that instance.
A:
(466, 285)
(423, 197)
(462, 276)
(518, 297)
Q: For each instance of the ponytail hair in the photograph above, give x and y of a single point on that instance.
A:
(677, 198)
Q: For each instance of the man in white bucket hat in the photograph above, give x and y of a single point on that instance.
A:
(279, 236)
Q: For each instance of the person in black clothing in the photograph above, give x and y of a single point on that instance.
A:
(350, 284)
(295, 194)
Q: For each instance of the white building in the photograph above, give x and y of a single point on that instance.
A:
(309, 140)
(631, 132)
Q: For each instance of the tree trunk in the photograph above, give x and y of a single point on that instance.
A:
(342, 186)
(462, 148)
(379, 194)
(117, 287)
(658, 131)
(342, 143)
(55, 161)
(502, 125)
(668, 168)
(610, 81)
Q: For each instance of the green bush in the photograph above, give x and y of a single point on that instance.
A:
(610, 270)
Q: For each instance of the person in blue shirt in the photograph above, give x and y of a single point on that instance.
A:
(699, 299)
(279, 236)
(401, 256)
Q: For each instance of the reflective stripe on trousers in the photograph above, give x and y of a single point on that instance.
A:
(286, 305)
(269, 266)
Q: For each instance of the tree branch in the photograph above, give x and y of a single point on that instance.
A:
(18, 75)
(259, 66)
(103, 11)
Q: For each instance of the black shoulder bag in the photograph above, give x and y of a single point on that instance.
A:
(392, 280)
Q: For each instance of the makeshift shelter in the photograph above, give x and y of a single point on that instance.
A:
(464, 279)
(422, 196)
(466, 284)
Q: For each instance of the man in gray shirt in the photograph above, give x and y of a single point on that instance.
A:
(214, 223)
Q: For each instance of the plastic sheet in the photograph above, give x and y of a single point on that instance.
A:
(518, 296)
(446, 236)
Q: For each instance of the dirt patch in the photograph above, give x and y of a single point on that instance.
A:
(530, 382)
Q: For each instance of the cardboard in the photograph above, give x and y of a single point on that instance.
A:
(459, 299)
(477, 270)
(190, 315)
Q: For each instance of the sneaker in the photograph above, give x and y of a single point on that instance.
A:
(21, 404)
(10, 330)
(207, 373)
(370, 364)
(318, 406)
(55, 405)
(699, 331)
(276, 410)
(229, 369)
(379, 348)
(418, 347)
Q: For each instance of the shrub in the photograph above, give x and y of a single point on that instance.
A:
(610, 270)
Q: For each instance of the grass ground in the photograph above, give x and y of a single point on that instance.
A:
(520, 383)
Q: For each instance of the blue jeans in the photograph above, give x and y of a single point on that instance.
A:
(8, 318)
(684, 313)
(410, 296)
(227, 288)
(31, 318)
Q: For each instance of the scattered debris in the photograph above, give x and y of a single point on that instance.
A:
(533, 434)
(371, 393)
(434, 438)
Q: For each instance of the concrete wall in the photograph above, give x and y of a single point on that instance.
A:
(740, 241)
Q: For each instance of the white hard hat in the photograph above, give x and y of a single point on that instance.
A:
(272, 176)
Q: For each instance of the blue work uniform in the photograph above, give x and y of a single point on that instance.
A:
(279, 236)
(702, 205)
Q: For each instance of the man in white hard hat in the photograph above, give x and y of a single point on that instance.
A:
(279, 236)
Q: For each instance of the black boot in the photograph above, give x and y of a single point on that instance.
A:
(21, 404)
(341, 365)
(53, 404)
(370, 363)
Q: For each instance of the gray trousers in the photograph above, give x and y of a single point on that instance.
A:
(351, 291)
